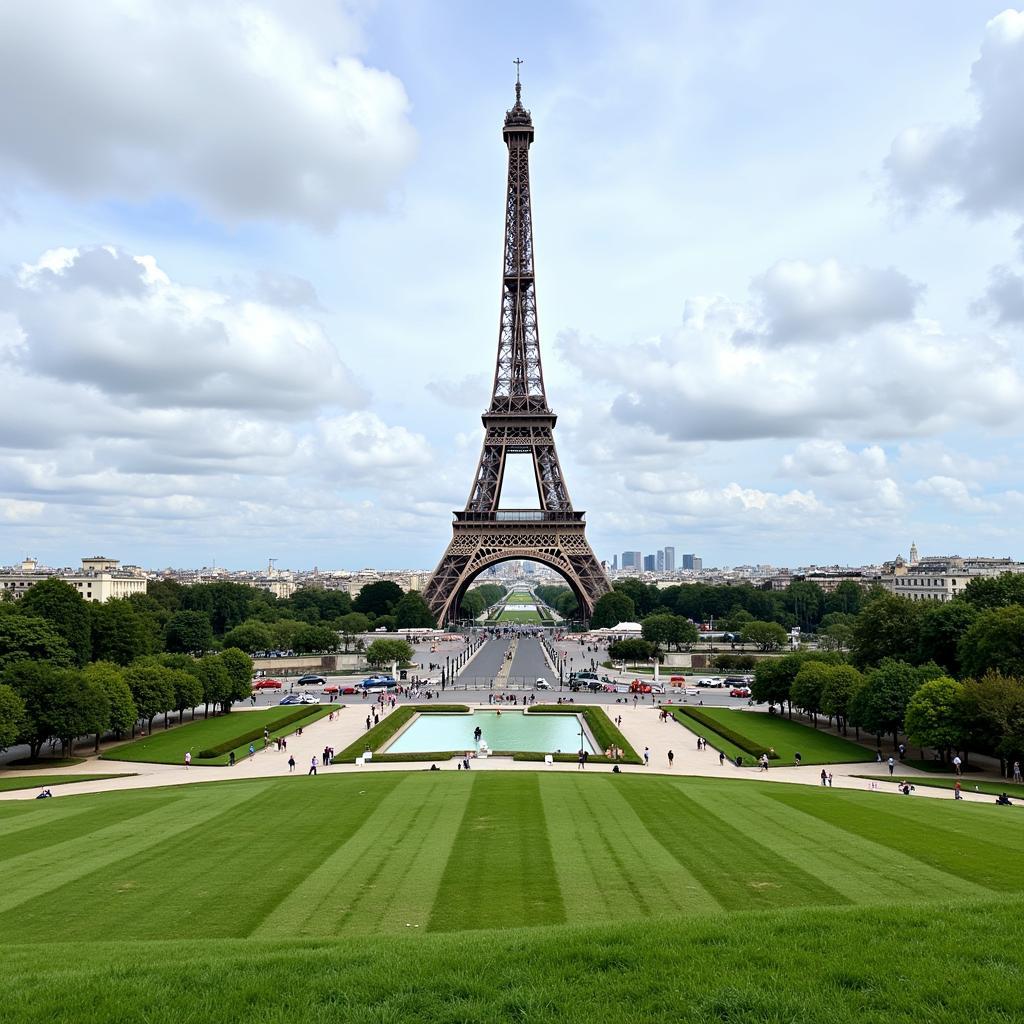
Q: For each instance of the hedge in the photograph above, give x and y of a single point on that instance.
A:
(605, 731)
(303, 711)
(389, 725)
(737, 738)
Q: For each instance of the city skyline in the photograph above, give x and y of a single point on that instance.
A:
(276, 341)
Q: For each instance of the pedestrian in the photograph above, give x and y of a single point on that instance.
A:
(312, 765)
(824, 775)
(797, 758)
(698, 742)
(1016, 771)
(829, 780)
(892, 766)
(721, 758)
(231, 759)
(579, 759)
(188, 759)
(367, 723)
(647, 756)
(957, 764)
(671, 758)
(903, 751)
(291, 762)
(252, 751)
(957, 795)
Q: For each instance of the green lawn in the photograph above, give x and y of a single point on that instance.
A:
(530, 618)
(168, 746)
(816, 746)
(627, 898)
(9, 782)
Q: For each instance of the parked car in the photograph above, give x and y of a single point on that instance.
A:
(349, 689)
(266, 684)
(381, 682)
(710, 682)
(739, 691)
(542, 684)
(657, 688)
(584, 675)
(299, 698)
(687, 691)
(677, 679)
(310, 679)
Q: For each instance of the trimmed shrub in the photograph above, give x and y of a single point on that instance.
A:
(604, 730)
(389, 725)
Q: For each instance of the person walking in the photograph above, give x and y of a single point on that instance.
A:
(291, 762)
(671, 758)
(824, 775)
(647, 756)
(252, 751)
(188, 759)
(957, 764)
(367, 723)
(312, 765)
(892, 766)
(579, 759)
(1016, 771)
(957, 795)
(829, 780)
(721, 758)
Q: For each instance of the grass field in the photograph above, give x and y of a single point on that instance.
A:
(628, 898)
(12, 782)
(530, 618)
(816, 746)
(168, 746)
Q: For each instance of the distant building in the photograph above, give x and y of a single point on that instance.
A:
(691, 562)
(649, 563)
(615, 563)
(632, 560)
(100, 579)
(670, 559)
(660, 560)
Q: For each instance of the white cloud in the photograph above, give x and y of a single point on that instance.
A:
(700, 383)
(248, 111)
(1004, 297)
(104, 318)
(954, 493)
(805, 302)
(979, 164)
(828, 458)
(15, 510)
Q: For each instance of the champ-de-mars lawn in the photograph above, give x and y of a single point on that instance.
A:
(362, 897)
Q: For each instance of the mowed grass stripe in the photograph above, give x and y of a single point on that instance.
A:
(959, 850)
(863, 871)
(739, 872)
(215, 877)
(391, 843)
(39, 880)
(500, 873)
(609, 866)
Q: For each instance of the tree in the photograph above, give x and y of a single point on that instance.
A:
(842, 684)
(657, 629)
(377, 598)
(845, 599)
(993, 715)
(934, 716)
(152, 688)
(412, 612)
(354, 622)
(12, 716)
(315, 639)
(994, 642)
(238, 666)
(885, 627)
(835, 631)
(940, 628)
(59, 603)
(30, 638)
(122, 711)
(880, 705)
(80, 706)
(808, 687)
(806, 602)
(472, 604)
(224, 604)
(611, 609)
(384, 652)
(984, 592)
(119, 632)
(218, 685)
(188, 692)
(766, 636)
(285, 631)
(632, 649)
(774, 677)
(251, 636)
(645, 598)
(188, 632)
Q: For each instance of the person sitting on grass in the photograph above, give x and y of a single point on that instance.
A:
(1003, 800)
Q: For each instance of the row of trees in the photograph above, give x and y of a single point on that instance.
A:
(41, 701)
(478, 599)
(52, 622)
(894, 697)
(559, 597)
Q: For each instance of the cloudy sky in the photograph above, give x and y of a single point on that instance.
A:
(250, 258)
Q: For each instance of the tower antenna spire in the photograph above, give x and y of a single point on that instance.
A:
(519, 86)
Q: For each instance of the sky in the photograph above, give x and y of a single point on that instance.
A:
(250, 265)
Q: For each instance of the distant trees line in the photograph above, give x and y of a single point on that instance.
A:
(478, 599)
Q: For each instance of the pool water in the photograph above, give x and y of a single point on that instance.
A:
(507, 730)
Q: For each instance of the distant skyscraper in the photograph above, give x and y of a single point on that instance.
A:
(627, 559)
(649, 563)
(615, 561)
(688, 561)
(660, 560)
(698, 563)
(638, 559)
(670, 559)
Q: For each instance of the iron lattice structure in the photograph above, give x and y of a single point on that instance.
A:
(518, 421)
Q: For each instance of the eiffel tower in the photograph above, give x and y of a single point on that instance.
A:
(518, 421)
